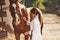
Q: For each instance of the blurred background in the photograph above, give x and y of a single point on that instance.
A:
(51, 18)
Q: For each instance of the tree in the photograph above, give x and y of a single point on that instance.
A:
(40, 5)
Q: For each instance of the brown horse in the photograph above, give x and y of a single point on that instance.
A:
(17, 12)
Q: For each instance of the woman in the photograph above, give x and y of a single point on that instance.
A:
(35, 26)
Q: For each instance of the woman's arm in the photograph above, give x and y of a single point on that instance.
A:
(28, 23)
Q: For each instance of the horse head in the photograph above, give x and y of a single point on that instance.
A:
(17, 11)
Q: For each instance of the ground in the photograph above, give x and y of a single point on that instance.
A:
(51, 29)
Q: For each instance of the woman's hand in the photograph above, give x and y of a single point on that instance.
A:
(24, 18)
(26, 33)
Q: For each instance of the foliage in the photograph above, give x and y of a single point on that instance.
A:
(52, 3)
(40, 5)
(40, 1)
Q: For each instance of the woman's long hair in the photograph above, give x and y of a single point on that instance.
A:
(35, 11)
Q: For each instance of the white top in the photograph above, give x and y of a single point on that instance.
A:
(35, 25)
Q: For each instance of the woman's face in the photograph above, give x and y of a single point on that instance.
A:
(32, 15)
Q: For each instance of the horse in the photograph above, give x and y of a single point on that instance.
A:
(17, 12)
